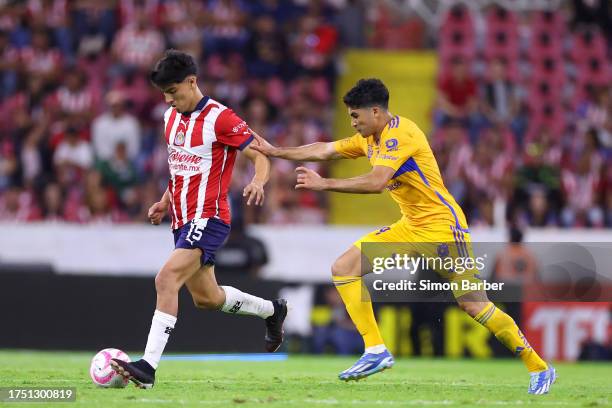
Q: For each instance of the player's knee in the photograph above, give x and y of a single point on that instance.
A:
(165, 282)
(342, 268)
(471, 308)
(464, 306)
(160, 283)
(337, 269)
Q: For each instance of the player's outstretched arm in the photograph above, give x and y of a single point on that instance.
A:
(312, 152)
(373, 182)
(255, 190)
(159, 209)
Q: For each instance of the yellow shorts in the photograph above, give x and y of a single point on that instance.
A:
(438, 242)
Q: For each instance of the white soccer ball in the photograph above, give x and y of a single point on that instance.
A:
(102, 373)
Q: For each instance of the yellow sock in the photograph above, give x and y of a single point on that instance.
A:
(359, 309)
(508, 333)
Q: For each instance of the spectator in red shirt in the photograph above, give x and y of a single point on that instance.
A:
(457, 94)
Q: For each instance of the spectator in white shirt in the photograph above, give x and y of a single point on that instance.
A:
(72, 158)
(114, 127)
(138, 45)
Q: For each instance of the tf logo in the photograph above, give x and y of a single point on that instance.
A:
(179, 140)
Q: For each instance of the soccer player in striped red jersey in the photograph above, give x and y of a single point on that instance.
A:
(203, 138)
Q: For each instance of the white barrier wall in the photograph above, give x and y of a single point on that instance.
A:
(297, 253)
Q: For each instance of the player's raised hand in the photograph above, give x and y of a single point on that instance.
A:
(254, 193)
(262, 145)
(157, 212)
(309, 179)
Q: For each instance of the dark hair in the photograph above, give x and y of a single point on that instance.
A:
(367, 93)
(516, 235)
(174, 67)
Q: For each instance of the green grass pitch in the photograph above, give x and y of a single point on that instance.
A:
(303, 381)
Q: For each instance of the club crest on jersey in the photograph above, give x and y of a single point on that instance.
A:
(179, 140)
(391, 145)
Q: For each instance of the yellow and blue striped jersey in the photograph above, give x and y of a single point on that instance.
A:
(417, 185)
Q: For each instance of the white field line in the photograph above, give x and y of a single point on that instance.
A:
(332, 401)
(363, 383)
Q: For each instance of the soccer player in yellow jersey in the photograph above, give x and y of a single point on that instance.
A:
(402, 163)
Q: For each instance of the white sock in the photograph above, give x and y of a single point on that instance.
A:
(377, 349)
(161, 327)
(238, 302)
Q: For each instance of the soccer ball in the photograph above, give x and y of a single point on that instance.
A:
(102, 373)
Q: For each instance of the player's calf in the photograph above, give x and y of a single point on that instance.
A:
(472, 308)
(473, 303)
(210, 302)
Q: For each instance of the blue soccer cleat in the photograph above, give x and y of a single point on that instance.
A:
(367, 365)
(541, 381)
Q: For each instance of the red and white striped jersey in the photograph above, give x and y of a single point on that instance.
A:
(202, 148)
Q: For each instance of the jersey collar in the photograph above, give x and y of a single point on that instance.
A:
(199, 106)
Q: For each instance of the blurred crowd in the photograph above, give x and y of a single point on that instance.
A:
(522, 128)
(523, 123)
(80, 125)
